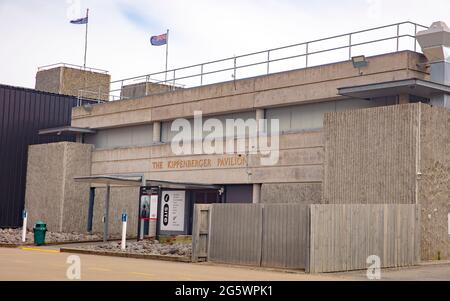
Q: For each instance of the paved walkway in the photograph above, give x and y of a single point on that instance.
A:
(48, 263)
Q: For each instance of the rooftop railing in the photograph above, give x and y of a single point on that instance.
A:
(379, 40)
(47, 67)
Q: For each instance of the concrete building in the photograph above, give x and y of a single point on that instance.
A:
(367, 129)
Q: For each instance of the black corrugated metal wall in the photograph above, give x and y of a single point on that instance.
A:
(22, 113)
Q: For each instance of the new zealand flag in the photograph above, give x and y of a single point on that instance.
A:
(159, 40)
(80, 21)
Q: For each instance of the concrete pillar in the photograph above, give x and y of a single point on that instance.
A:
(256, 193)
(152, 229)
(260, 115)
(106, 214)
(157, 132)
(403, 98)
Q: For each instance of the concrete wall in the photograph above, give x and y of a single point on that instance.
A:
(49, 80)
(434, 182)
(315, 84)
(144, 89)
(51, 194)
(292, 193)
(371, 155)
(301, 157)
(69, 81)
(121, 198)
(396, 155)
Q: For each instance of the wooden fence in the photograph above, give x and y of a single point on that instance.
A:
(317, 238)
(235, 234)
(200, 232)
(272, 235)
(343, 236)
(285, 236)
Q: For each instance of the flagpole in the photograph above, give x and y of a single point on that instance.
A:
(167, 54)
(86, 38)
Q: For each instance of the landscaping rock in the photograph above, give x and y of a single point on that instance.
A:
(152, 247)
(14, 236)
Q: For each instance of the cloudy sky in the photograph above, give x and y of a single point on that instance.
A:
(37, 32)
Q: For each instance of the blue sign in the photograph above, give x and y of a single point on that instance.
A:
(24, 214)
(124, 217)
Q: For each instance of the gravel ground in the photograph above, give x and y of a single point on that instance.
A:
(14, 236)
(150, 247)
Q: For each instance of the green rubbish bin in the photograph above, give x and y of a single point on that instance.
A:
(39, 230)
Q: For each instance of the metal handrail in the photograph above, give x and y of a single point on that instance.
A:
(72, 66)
(171, 82)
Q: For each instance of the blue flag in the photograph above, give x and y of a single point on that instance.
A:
(159, 40)
(80, 21)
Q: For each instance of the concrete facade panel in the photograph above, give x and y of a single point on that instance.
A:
(298, 86)
(397, 155)
(434, 182)
(370, 155)
(121, 199)
(76, 195)
(44, 188)
(291, 193)
(300, 160)
(51, 193)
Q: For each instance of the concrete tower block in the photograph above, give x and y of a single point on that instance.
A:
(61, 79)
(51, 192)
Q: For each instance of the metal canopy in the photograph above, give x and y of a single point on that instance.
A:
(66, 130)
(111, 180)
(180, 185)
(125, 180)
(417, 87)
(134, 180)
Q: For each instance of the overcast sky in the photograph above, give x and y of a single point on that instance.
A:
(37, 32)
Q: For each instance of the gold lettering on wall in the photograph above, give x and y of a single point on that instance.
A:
(157, 165)
(231, 161)
(222, 162)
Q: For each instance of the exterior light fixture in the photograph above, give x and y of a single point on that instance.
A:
(359, 61)
(88, 107)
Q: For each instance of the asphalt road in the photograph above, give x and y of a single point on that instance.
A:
(50, 264)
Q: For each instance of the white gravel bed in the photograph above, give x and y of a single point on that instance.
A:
(150, 247)
(14, 236)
